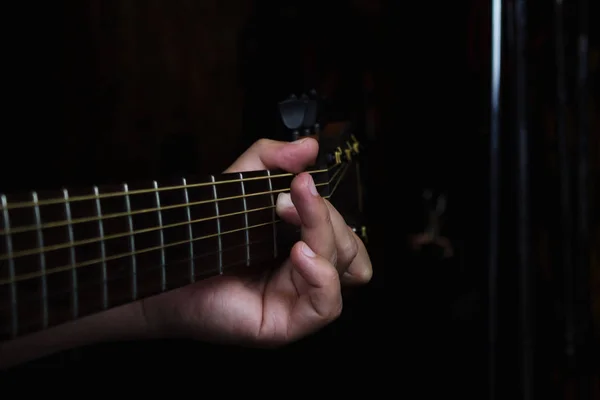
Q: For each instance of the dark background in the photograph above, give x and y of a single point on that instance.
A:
(100, 91)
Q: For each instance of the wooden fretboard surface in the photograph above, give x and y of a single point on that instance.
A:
(70, 253)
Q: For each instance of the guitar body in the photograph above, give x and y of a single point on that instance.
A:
(73, 252)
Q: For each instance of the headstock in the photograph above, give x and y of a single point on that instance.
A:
(302, 116)
(339, 153)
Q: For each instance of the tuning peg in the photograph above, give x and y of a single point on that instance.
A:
(292, 112)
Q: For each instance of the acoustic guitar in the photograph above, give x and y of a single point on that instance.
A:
(73, 252)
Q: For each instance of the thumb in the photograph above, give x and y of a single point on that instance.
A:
(269, 154)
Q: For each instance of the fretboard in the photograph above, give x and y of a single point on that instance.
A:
(74, 252)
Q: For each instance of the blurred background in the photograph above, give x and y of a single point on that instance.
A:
(103, 91)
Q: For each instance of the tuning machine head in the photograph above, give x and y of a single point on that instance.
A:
(348, 150)
(299, 115)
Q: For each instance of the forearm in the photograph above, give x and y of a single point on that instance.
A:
(127, 322)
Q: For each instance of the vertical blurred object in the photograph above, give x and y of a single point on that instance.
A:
(496, 72)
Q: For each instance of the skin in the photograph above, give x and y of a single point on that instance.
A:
(270, 310)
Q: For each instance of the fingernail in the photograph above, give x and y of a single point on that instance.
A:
(312, 187)
(284, 200)
(307, 251)
(300, 141)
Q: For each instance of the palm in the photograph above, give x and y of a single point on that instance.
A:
(261, 309)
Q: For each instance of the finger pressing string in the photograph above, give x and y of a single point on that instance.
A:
(316, 227)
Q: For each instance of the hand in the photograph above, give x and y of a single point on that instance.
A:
(301, 296)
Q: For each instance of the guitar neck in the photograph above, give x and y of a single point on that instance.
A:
(71, 253)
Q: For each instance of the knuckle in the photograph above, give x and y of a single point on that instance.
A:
(327, 217)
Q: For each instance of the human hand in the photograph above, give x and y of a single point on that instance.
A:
(303, 295)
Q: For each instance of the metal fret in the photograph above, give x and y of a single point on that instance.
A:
(247, 232)
(72, 258)
(190, 232)
(161, 235)
(216, 197)
(11, 270)
(40, 244)
(134, 288)
(102, 249)
(274, 215)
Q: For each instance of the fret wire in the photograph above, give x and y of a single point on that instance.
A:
(102, 249)
(247, 233)
(14, 322)
(145, 191)
(274, 214)
(120, 235)
(21, 229)
(163, 272)
(118, 256)
(134, 286)
(40, 242)
(212, 177)
(72, 258)
(190, 232)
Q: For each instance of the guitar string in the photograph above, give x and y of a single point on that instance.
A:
(123, 271)
(73, 199)
(34, 275)
(67, 245)
(57, 224)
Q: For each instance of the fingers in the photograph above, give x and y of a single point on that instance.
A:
(269, 154)
(360, 270)
(345, 242)
(316, 227)
(318, 283)
(353, 262)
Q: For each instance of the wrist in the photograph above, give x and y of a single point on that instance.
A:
(122, 323)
